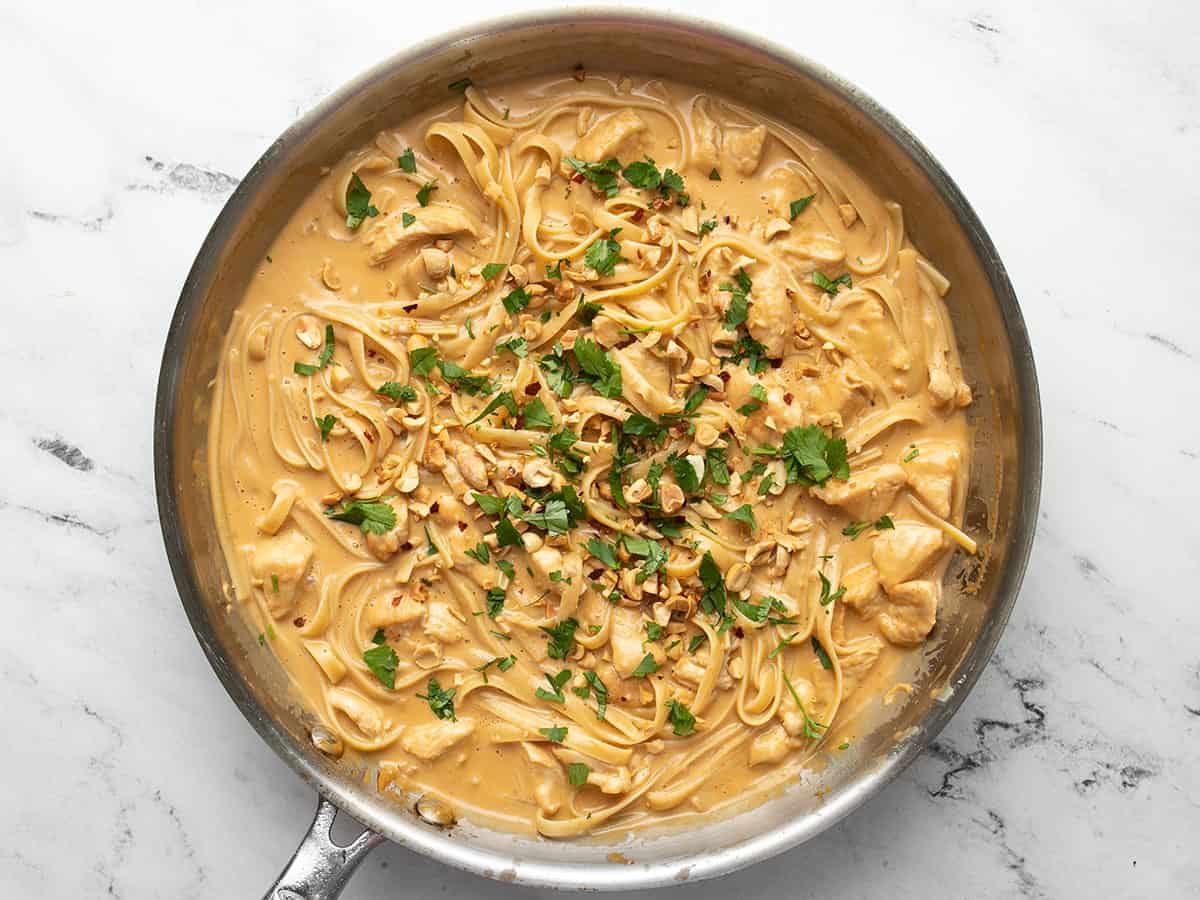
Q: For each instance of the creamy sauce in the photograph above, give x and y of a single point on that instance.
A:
(712, 499)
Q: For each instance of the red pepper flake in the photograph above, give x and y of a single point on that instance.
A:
(577, 178)
(370, 437)
(724, 376)
(788, 398)
(638, 215)
(462, 526)
(396, 600)
(776, 363)
(433, 507)
(532, 388)
(412, 307)
(298, 621)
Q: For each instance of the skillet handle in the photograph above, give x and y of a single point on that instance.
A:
(319, 869)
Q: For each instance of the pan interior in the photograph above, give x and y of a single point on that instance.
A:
(1004, 418)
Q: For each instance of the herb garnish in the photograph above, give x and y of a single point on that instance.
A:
(682, 721)
(372, 516)
(828, 286)
(562, 638)
(381, 660)
(440, 702)
(555, 695)
(826, 662)
(646, 667)
(557, 734)
(407, 161)
(826, 596)
(744, 514)
(739, 291)
(426, 189)
(491, 270)
(604, 254)
(798, 206)
(602, 175)
(577, 774)
(358, 203)
(396, 392)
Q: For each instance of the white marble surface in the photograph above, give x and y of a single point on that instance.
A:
(1071, 771)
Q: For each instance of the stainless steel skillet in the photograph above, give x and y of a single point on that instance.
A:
(1006, 419)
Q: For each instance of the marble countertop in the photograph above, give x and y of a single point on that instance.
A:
(1073, 768)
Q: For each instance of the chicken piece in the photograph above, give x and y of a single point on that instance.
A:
(789, 713)
(626, 641)
(688, 671)
(394, 609)
(390, 236)
(611, 781)
(440, 623)
(745, 146)
(769, 319)
(706, 148)
(647, 378)
(859, 655)
(932, 475)
(770, 746)
(359, 710)
(431, 740)
(904, 552)
(384, 546)
(867, 494)
(912, 612)
(862, 586)
(281, 562)
(611, 137)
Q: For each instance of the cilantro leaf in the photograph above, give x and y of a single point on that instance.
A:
(441, 702)
(602, 175)
(558, 374)
(826, 662)
(422, 360)
(604, 254)
(491, 270)
(828, 286)
(884, 522)
(826, 596)
(811, 456)
(504, 399)
(604, 552)
(517, 346)
(358, 203)
(562, 638)
(643, 174)
(601, 692)
(325, 425)
(480, 553)
(516, 300)
(557, 734)
(598, 367)
(646, 667)
(396, 392)
(372, 516)
(426, 189)
(682, 721)
(577, 774)
(381, 660)
(744, 514)
(536, 415)
(713, 599)
(797, 206)
(407, 161)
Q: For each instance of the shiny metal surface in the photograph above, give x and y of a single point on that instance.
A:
(1006, 418)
